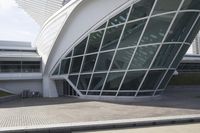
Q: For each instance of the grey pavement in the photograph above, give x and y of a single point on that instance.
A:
(39, 111)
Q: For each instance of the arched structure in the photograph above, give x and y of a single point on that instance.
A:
(116, 48)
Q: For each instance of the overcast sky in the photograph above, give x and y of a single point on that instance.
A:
(15, 24)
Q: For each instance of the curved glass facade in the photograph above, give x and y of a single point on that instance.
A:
(135, 52)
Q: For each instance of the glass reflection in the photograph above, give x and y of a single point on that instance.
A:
(152, 80)
(65, 66)
(166, 55)
(113, 81)
(163, 6)
(112, 37)
(191, 4)
(104, 61)
(181, 27)
(122, 59)
(76, 64)
(132, 80)
(94, 41)
(89, 62)
(132, 33)
(180, 55)
(141, 9)
(97, 81)
(84, 82)
(80, 48)
(120, 18)
(143, 57)
(156, 29)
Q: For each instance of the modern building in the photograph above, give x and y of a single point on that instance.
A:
(20, 67)
(116, 48)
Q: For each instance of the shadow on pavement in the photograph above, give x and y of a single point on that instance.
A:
(185, 97)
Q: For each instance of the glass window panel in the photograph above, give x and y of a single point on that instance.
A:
(65, 66)
(80, 48)
(156, 29)
(76, 64)
(30, 62)
(122, 59)
(166, 79)
(102, 26)
(163, 6)
(10, 68)
(69, 55)
(181, 27)
(10, 62)
(191, 4)
(30, 68)
(180, 55)
(56, 71)
(143, 57)
(126, 94)
(93, 93)
(145, 94)
(89, 62)
(104, 61)
(194, 32)
(97, 81)
(84, 82)
(152, 80)
(112, 37)
(132, 80)
(108, 93)
(166, 55)
(141, 9)
(73, 79)
(113, 81)
(132, 33)
(120, 18)
(95, 41)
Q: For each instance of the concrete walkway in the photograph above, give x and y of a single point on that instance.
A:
(36, 112)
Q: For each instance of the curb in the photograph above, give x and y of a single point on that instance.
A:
(102, 125)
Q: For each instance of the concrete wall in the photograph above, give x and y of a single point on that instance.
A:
(17, 86)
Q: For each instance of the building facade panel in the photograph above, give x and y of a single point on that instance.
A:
(134, 53)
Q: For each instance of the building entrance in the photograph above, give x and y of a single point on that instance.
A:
(68, 90)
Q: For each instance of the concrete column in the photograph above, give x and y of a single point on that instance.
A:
(49, 87)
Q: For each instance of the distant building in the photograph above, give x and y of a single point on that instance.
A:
(20, 67)
(196, 45)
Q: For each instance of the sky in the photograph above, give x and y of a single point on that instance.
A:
(15, 23)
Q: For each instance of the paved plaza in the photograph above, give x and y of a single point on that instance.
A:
(39, 111)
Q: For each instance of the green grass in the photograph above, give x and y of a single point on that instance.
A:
(3, 94)
(186, 79)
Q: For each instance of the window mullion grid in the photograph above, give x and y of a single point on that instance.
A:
(130, 8)
(176, 55)
(97, 57)
(154, 58)
(138, 43)
(82, 61)
(73, 86)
